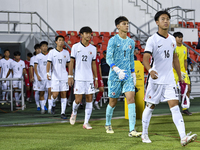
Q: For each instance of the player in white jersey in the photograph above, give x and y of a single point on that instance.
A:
(5, 62)
(59, 59)
(33, 77)
(40, 70)
(161, 87)
(17, 67)
(84, 55)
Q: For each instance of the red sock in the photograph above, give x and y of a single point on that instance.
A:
(28, 93)
(99, 95)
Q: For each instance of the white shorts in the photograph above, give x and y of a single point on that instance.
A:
(59, 86)
(157, 93)
(17, 84)
(43, 85)
(5, 85)
(83, 87)
(35, 86)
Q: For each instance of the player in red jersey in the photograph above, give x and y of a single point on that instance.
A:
(27, 80)
(100, 81)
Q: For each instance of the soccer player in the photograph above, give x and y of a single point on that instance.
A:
(18, 69)
(40, 70)
(181, 51)
(84, 55)
(27, 81)
(122, 79)
(59, 59)
(5, 62)
(100, 81)
(162, 87)
(33, 77)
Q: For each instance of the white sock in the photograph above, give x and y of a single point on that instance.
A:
(46, 96)
(146, 117)
(96, 102)
(53, 101)
(63, 105)
(75, 108)
(42, 104)
(178, 120)
(88, 111)
(20, 94)
(16, 97)
(50, 103)
(37, 101)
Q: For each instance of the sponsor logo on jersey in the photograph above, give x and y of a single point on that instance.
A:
(113, 93)
(130, 46)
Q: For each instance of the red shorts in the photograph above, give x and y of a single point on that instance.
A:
(100, 82)
(27, 82)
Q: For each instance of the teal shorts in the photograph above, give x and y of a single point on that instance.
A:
(115, 88)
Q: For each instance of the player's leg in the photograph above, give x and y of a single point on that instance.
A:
(54, 95)
(16, 93)
(88, 111)
(99, 95)
(45, 97)
(63, 104)
(75, 105)
(42, 101)
(28, 89)
(4, 87)
(50, 101)
(37, 99)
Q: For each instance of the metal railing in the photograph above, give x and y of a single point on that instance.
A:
(46, 31)
(11, 90)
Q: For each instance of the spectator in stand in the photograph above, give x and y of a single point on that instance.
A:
(27, 80)
(105, 68)
(136, 51)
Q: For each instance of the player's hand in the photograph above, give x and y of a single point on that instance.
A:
(181, 80)
(39, 78)
(26, 76)
(191, 69)
(32, 79)
(70, 81)
(154, 74)
(48, 76)
(122, 74)
(96, 84)
(134, 78)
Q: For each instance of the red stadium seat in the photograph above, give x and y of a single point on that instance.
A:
(188, 43)
(197, 25)
(105, 40)
(103, 47)
(190, 25)
(113, 34)
(137, 43)
(63, 33)
(72, 33)
(128, 34)
(105, 34)
(180, 24)
(191, 52)
(95, 33)
(96, 40)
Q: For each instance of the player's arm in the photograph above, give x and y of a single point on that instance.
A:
(185, 64)
(94, 69)
(36, 71)
(100, 71)
(31, 73)
(110, 60)
(48, 69)
(191, 66)
(176, 65)
(70, 75)
(8, 73)
(25, 73)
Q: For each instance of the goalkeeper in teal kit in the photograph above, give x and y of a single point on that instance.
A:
(122, 79)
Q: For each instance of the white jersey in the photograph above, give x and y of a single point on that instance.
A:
(5, 67)
(59, 59)
(1, 70)
(17, 68)
(162, 50)
(41, 61)
(83, 61)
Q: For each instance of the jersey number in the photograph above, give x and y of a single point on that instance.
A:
(167, 55)
(84, 57)
(60, 61)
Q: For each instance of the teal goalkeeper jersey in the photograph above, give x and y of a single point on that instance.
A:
(120, 52)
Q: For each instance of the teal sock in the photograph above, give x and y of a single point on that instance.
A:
(132, 116)
(109, 113)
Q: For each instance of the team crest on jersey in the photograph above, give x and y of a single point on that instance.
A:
(90, 53)
(113, 93)
(184, 52)
(76, 89)
(21, 64)
(64, 56)
(149, 97)
(172, 45)
(130, 46)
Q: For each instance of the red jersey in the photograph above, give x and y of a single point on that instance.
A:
(27, 64)
(98, 62)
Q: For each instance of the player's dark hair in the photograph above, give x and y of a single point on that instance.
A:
(43, 43)
(50, 48)
(34, 53)
(159, 13)
(6, 50)
(85, 29)
(120, 19)
(178, 34)
(17, 53)
(36, 46)
(30, 55)
(59, 36)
